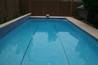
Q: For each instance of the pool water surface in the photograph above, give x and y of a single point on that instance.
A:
(45, 41)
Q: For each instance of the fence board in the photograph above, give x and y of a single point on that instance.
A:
(10, 9)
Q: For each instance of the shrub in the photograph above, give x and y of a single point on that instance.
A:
(91, 5)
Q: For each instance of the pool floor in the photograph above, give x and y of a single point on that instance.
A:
(48, 42)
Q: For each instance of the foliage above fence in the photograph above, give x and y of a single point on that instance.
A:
(91, 4)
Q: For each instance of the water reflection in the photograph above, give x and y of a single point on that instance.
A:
(14, 44)
(87, 52)
(80, 49)
(52, 36)
(48, 28)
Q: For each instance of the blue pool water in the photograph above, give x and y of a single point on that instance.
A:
(48, 42)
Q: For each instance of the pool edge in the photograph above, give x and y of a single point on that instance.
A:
(12, 24)
(13, 20)
(85, 27)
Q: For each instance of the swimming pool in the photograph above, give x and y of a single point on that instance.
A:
(48, 41)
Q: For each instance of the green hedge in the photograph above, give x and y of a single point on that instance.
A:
(91, 5)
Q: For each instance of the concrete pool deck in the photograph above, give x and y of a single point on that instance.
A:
(87, 28)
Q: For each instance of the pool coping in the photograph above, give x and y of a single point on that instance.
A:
(7, 27)
(14, 20)
(85, 27)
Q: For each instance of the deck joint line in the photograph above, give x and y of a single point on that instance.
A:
(28, 45)
(62, 45)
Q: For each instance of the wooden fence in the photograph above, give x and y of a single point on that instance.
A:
(54, 8)
(10, 9)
